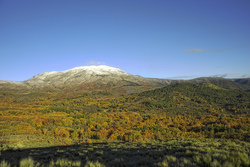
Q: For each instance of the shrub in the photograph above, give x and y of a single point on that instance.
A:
(215, 163)
(186, 162)
(94, 164)
(241, 159)
(65, 163)
(163, 164)
(90, 149)
(170, 158)
(207, 159)
(27, 162)
(227, 164)
(4, 164)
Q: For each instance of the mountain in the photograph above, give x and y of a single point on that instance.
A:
(86, 78)
(98, 78)
(245, 81)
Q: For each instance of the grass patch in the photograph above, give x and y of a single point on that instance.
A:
(171, 152)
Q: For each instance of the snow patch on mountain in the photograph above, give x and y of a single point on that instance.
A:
(99, 70)
(44, 75)
(85, 72)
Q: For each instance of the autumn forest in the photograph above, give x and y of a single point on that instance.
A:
(178, 114)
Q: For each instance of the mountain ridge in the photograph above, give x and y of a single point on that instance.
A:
(102, 77)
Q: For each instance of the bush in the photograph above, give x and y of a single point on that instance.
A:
(227, 164)
(197, 159)
(27, 162)
(215, 163)
(170, 158)
(207, 159)
(64, 163)
(94, 164)
(4, 164)
(239, 159)
(162, 164)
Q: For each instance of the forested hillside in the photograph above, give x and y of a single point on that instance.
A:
(190, 94)
(181, 110)
(178, 111)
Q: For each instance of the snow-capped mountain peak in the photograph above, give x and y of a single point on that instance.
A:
(78, 75)
(99, 70)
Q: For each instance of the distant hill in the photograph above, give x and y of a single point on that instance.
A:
(244, 81)
(99, 78)
(196, 96)
(222, 82)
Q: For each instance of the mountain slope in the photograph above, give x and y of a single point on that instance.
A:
(191, 99)
(201, 93)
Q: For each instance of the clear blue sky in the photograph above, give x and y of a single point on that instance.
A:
(151, 38)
